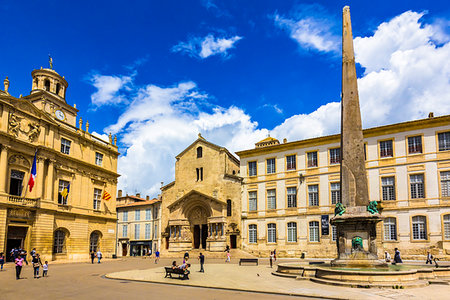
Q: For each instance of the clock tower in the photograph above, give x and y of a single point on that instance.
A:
(48, 93)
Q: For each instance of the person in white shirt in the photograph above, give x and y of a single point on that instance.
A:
(45, 269)
(99, 255)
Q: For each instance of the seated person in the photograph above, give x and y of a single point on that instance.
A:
(174, 265)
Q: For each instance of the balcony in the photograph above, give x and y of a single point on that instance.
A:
(29, 202)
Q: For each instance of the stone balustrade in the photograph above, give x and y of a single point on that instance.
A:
(30, 202)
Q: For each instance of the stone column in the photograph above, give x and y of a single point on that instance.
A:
(49, 185)
(40, 177)
(3, 168)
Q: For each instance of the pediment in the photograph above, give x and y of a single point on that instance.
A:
(189, 195)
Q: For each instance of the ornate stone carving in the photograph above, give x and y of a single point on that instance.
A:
(34, 131)
(18, 125)
(18, 159)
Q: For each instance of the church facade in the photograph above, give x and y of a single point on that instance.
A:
(201, 208)
(66, 214)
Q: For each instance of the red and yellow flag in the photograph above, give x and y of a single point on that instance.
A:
(106, 196)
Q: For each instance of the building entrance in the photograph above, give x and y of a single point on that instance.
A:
(124, 249)
(16, 238)
(200, 236)
(233, 241)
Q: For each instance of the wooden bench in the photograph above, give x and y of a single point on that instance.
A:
(183, 274)
(248, 260)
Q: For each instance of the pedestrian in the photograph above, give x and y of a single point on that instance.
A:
(186, 256)
(2, 261)
(271, 257)
(228, 256)
(174, 264)
(14, 253)
(387, 256)
(99, 255)
(23, 253)
(19, 262)
(227, 248)
(33, 252)
(274, 254)
(201, 258)
(45, 269)
(156, 256)
(397, 258)
(36, 263)
(92, 256)
(429, 258)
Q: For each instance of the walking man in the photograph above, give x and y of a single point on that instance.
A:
(429, 258)
(99, 255)
(156, 256)
(201, 257)
(92, 256)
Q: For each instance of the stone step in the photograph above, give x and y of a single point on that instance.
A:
(365, 284)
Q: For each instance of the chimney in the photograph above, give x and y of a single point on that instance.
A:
(147, 198)
(431, 115)
(119, 194)
(138, 195)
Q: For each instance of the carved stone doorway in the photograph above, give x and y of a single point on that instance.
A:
(200, 236)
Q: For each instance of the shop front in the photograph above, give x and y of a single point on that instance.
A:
(140, 248)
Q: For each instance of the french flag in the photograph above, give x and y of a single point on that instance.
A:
(33, 174)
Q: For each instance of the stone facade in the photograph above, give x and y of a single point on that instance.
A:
(60, 228)
(408, 170)
(138, 225)
(201, 208)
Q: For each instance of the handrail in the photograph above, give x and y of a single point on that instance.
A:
(23, 201)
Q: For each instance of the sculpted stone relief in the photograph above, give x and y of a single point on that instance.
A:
(18, 159)
(21, 127)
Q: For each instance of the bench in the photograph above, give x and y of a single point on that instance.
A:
(248, 260)
(183, 274)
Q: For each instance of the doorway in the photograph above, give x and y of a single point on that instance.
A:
(204, 235)
(200, 236)
(124, 249)
(15, 239)
(196, 236)
(233, 241)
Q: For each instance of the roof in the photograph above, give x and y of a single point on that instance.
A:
(143, 203)
(214, 146)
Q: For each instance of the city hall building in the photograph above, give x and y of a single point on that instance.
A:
(290, 189)
(67, 213)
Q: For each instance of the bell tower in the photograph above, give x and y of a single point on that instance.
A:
(50, 81)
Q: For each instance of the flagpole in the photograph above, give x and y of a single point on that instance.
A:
(29, 177)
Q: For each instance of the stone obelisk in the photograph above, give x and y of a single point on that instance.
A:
(355, 223)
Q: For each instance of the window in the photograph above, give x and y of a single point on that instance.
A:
(415, 144)
(291, 162)
(313, 195)
(155, 232)
(388, 188)
(386, 149)
(97, 197)
(228, 208)
(252, 201)
(16, 182)
(312, 159)
(47, 85)
(390, 229)
(155, 212)
(199, 174)
(417, 188)
(125, 216)
(148, 214)
(65, 146)
(62, 196)
(252, 171)
(137, 215)
(271, 166)
(271, 199)
(124, 230)
(93, 241)
(314, 231)
(199, 152)
(137, 229)
(335, 188)
(419, 224)
(147, 231)
(58, 242)
(291, 197)
(58, 88)
(271, 233)
(252, 234)
(333, 232)
(444, 141)
(447, 227)
(365, 151)
(335, 156)
(445, 184)
(98, 159)
(292, 232)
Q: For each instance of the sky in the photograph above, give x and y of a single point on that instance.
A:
(157, 73)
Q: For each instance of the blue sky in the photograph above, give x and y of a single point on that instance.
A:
(158, 72)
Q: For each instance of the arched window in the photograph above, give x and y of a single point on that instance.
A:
(47, 85)
(314, 231)
(390, 229)
(292, 232)
(58, 88)
(447, 227)
(199, 152)
(252, 234)
(36, 83)
(271, 233)
(228, 208)
(59, 241)
(94, 241)
(419, 227)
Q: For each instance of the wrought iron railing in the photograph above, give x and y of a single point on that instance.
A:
(23, 201)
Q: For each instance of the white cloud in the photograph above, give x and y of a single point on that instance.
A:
(404, 83)
(310, 33)
(207, 46)
(108, 88)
